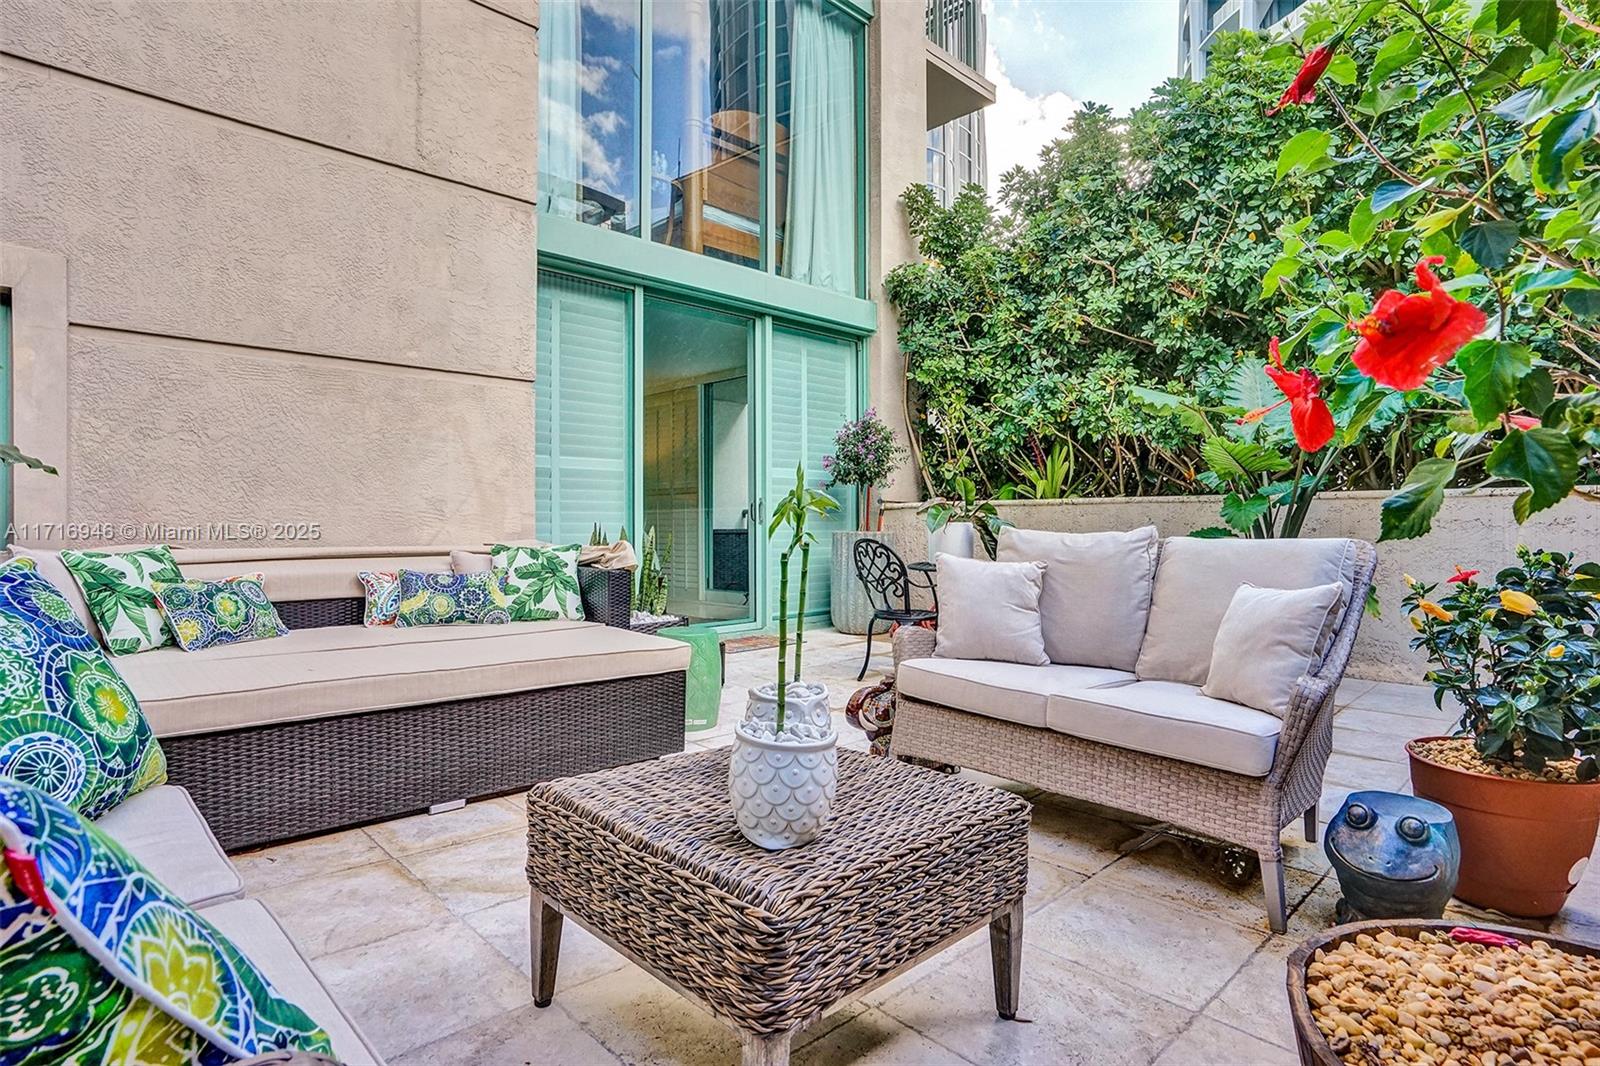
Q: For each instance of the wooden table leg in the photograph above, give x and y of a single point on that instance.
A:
(1005, 950)
(766, 1050)
(544, 943)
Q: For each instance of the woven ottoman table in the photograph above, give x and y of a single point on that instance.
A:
(647, 858)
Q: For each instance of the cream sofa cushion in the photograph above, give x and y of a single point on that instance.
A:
(163, 829)
(1097, 588)
(1172, 720)
(316, 673)
(256, 933)
(989, 611)
(1009, 691)
(1268, 639)
(1195, 583)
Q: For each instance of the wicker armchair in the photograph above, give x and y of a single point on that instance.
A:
(1248, 811)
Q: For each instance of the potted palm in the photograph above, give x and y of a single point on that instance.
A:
(1521, 656)
(864, 456)
(957, 523)
(784, 768)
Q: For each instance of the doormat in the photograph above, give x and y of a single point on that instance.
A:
(756, 643)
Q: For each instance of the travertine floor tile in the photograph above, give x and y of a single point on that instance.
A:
(1170, 873)
(1072, 838)
(423, 832)
(1412, 700)
(282, 863)
(639, 1019)
(1210, 1043)
(583, 958)
(347, 908)
(476, 874)
(1256, 1000)
(529, 1036)
(872, 1038)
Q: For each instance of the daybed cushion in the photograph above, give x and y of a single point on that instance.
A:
(254, 931)
(162, 828)
(1170, 719)
(1010, 691)
(1195, 583)
(316, 673)
(1097, 587)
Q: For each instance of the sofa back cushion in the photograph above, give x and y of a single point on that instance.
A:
(1097, 589)
(1269, 639)
(1195, 582)
(990, 611)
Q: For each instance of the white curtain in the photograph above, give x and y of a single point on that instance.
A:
(561, 108)
(819, 244)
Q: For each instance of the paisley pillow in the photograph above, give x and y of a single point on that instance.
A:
(542, 580)
(99, 962)
(447, 599)
(202, 614)
(118, 588)
(383, 596)
(69, 724)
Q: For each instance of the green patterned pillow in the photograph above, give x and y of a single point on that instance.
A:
(120, 590)
(541, 580)
(100, 963)
(69, 724)
(206, 613)
(450, 599)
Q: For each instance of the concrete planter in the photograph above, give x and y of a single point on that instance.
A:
(847, 599)
(781, 786)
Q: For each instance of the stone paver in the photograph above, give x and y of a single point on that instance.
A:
(420, 927)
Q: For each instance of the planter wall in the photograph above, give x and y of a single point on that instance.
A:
(1475, 530)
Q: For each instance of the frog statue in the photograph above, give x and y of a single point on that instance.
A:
(1396, 856)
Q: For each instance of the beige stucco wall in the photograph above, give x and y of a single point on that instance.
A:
(1475, 531)
(299, 249)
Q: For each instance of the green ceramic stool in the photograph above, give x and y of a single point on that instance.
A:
(703, 686)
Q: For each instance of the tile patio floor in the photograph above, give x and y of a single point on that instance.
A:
(420, 928)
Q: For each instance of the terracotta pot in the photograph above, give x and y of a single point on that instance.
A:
(1524, 844)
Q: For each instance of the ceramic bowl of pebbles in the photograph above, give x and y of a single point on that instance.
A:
(1440, 992)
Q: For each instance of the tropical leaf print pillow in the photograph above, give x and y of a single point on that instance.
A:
(450, 599)
(120, 590)
(69, 724)
(541, 580)
(202, 614)
(100, 963)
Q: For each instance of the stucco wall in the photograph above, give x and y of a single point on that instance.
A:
(299, 242)
(1475, 531)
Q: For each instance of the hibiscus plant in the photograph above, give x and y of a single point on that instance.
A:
(1494, 213)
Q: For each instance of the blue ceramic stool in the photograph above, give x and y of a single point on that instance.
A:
(1396, 856)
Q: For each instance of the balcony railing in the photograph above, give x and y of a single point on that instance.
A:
(957, 27)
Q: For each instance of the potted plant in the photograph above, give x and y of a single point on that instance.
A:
(956, 522)
(865, 454)
(1521, 655)
(784, 767)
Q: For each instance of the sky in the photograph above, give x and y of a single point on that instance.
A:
(1046, 57)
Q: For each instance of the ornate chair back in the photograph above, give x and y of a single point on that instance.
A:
(883, 574)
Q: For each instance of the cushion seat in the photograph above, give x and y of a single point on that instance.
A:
(1170, 719)
(163, 829)
(339, 670)
(254, 931)
(1014, 692)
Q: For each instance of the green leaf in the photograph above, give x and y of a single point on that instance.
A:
(1363, 223)
(1562, 91)
(1441, 114)
(1342, 71)
(1506, 66)
(1490, 372)
(1241, 512)
(1397, 51)
(1303, 149)
(1390, 193)
(1538, 20)
(10, 456)
(1490, 243)
(1543, 459)
(1362, 415)
(1409, 512)
(1187, 411)
(1514, 107)
(1285, 267)
(1213, 533)
(1536, 390)
(1550, 280)
(1232, 460)
(1564, 135)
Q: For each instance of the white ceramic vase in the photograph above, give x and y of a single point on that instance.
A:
(954, 538)
(781, 785)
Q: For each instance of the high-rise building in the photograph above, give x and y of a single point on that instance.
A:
(957, 149)
(1199, 21)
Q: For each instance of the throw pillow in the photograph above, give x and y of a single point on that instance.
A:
(542, 580)
(449, 599)
(69, 724)
(1097, 588)
(103, 964)
(119, 587)
(1269, 639)
(383, 596)
(53, 570)
(202, 614)
(990, 611)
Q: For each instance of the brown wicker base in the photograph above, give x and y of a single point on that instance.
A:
(272, 783)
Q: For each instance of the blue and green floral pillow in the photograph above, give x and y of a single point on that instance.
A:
(69, 724)
(202, 614)
(447, 599)
(100, 963)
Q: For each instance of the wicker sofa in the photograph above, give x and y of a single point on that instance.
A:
(1156, 748)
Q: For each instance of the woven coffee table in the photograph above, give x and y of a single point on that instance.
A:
(647, 858)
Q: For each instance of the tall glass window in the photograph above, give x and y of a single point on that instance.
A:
(589, 111)
(707, 127)
(817, 111)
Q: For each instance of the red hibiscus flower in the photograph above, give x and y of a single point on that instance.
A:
(1523, 422)
(1302, 391)
(1303, 90)
(1461, 577)
(1408, 335)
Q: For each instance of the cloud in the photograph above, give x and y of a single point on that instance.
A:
(1020, 123)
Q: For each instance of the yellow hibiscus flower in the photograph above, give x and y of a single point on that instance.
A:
(1518, 602)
